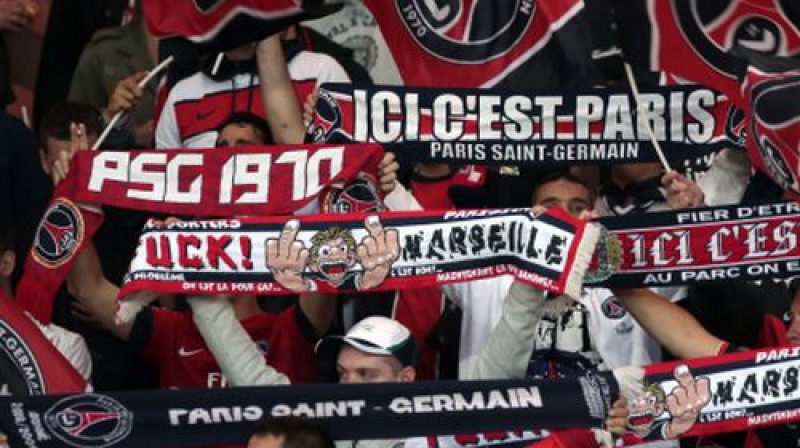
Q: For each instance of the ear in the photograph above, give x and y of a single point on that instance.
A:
(7, 261)
(407, 374)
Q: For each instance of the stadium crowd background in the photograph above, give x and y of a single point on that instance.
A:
(79, 61)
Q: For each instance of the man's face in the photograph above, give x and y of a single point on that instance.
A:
(266, 441)
(643, 411)
(54, 146)
(574, 198)
(357, 367)
(239, 134)
(793, 333)
(334, 260)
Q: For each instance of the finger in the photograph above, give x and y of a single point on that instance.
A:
(83, 138)
(683, 375)
(371, 246)
(364, 257)
(670, 177)
(672, 404)
(703, 387)
(294, 251)
(288, 236)
(392, 244)
(302, 257)
(272, 249)
(138, 77)
(374, 226)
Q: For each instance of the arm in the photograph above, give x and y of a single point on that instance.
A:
(509, 347)
(95, 293)
(319, 309)
(283, 111)
(237, 355)
(673, 327)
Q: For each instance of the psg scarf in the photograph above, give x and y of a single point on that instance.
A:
(347, 412)
(62, 233)
(337, 253)
(476, 126)
(745, 242)
(221, 25)
(734, 392)
(222, 182)
(473, 43)
(696, 39)
(29, 363)
(685, 398)
(234, 181)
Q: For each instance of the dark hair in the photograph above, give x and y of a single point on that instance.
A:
(565, 175)
(297, 432)
(252, 119)
(55, 123)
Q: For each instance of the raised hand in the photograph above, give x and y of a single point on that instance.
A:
(681, 192)
(126, 95)
(287, 258)
(686, 401)
(387, 173)
(377, 252)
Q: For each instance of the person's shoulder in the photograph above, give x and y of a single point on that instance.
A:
(106, 37)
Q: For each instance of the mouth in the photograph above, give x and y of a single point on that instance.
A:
(334, 268)
(640, 421)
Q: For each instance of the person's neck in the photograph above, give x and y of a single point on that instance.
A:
(245, 306)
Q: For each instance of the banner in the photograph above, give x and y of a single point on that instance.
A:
(359, 411)
(705, 396)
(386, 251)
(773, 125)
(263, 180)
(694, 39)
(62, 233)
(226, 24)
(469, 43)
(745, 242)
(474, 126)
(716, 395)
(224, 182)
(29, 363)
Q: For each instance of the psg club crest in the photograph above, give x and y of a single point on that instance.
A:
(446, 29)
(59, 234)
(361, 195)
(607, 257)
(89, 421)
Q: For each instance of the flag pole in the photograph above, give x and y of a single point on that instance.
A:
(653, 140)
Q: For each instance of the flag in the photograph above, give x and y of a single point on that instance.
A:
(469, 43)
(699, 39)
(773, 133)
(29, 363)
(62, 233)
(219, 25)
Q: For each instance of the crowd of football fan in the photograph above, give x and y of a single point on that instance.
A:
(486, 329)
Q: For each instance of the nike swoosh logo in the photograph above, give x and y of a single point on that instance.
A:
(204, 115)
(765, 44)
(186, 353)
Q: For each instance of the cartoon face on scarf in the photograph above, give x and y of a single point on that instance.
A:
(333, 253)
(645, 409)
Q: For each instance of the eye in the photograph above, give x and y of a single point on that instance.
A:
(651, 401)
(343, 248)
(324, 251)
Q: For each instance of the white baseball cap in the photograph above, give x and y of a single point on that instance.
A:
(376, 335)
